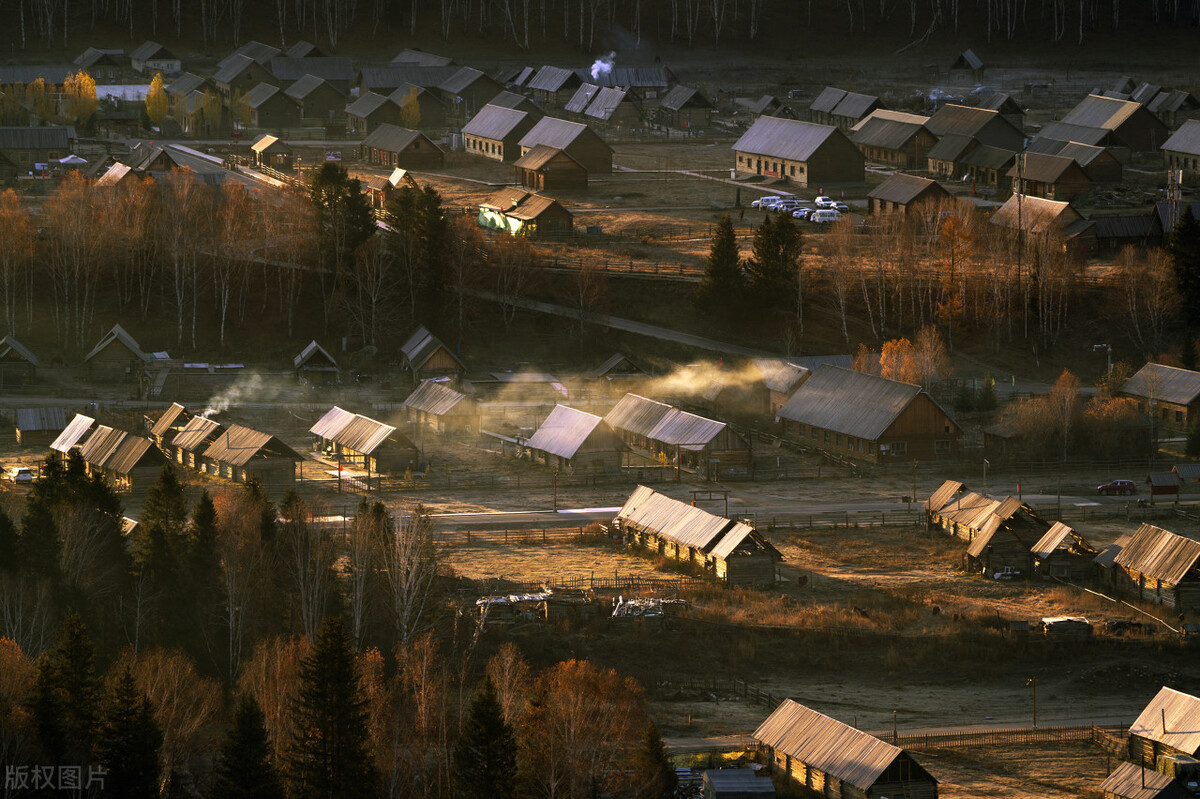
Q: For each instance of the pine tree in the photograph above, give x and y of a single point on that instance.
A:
(343, 214)
(166, 505)
(485, 756)
(653, 772)
(38, 544)
(330, 755)
(723, 282)
(129, 742)
(1187, 351)
(65, 697)
(245, 770)
(775, 260)
(1184, 246)
(10, 558)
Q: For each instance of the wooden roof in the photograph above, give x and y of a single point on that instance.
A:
(314, 351)
(238, 444)
(1164, 384)
(849, 402)
(198, 432)
(688, 525)
(903, 189)
(564, 431)
(168, 419)
(11, 349)
(890, 130)
(73, 433)
(49, 420)
(785, 138)
(494, 122)
(434, 397)
(1131, 781)
(1160, 554)
(1182, 715)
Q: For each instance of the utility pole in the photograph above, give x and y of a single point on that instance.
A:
(1032, 683)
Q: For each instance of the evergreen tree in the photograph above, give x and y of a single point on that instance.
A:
(166, 505)
(485, 755)
(65, 697)
(1184, 247)
(9, 544)
(653, 772)
(964, 399)
(129, 742)
(986, 401)
(344, 216)
(1187, 352)
(245, 770)
(1192, 446)
(421, 238)
(330, 756)
(723, 282)
(38, 545)
(775, 260)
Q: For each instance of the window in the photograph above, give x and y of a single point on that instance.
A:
(899, 448)
(814, 433)
(826, 436)
(838, 442)
(1179, 416)
(793, 168)
(871, 448)
(941, 447)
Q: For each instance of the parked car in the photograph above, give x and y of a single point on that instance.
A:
(824, 216)
(765, 202)
(19, 474)
(1118, 488)
(786, 204)
(1006, 573)
(802, 213)
(823, 202)
(841, 208)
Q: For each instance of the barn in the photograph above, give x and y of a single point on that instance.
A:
(18, 364)
(730, 551)
(437, 406)
(1062, 553)
(426, 356)
(242, 454)
(678, 437)
(575, 442)
(36, 427)
(803, 152)
(1169, 725)
(315, 366)
(863, 416)
(1161, 567)
(829, 758)
(359, 440)
(841, 108)
(116, 356)
(1168, 394)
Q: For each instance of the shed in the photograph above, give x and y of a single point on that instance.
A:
(893, 138)
(1163, 484)
(38, 427)
(426, 356)
(679, 437)
(867, 417)
(496, 132)
(315, 365)
(1037, 215)
(736, 783)
(117, 356)
(256, 51)
(270, 151)
(834, 759)
(546, 168)
(390, 145)
(360, 440)
(75, 431)
(1168, 394)
(577, 140)
(1052, 177)
(730, 551)
(615, 371)
(1062, 553)
(1131, 781)
(1161, 567)
(901, 193)
(437, 406)
(1168, 725)
(522, 213)
(1005, 540)
(241, 454)
(988, 167)
(576, 442)
(189, 444)
(1098, 163)
(968, 61)
(18, 364)
(767, 105)
(803, 152)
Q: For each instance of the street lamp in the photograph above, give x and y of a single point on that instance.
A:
(1107, 348)
(1032, 683)
(985, 465)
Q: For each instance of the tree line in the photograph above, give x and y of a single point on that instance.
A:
(239, 649)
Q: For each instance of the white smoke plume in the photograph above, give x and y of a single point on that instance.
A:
(251, 388)
(603, 65)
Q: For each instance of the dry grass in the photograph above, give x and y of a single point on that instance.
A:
(1041, 771)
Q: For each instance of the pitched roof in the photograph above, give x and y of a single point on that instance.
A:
(1165, 383)
(950, 147)
(52, 137)
(72, 433)
(302, 49)
(630, 77)
(186, 84)
(554, 132)
(147, 50)
(962, 119)
(887, 129)
(28, 73)
(944, 494)
(238, 444)
(1185, 140)
(827, 744)
(1042, 167)
(169, 418)
(539, 156)
(434, 397)
(421, 346)
(462, 79)
(390, 77)
(313, 350)
(827, 100)
(664, 423)
(552, 79)
(196, 433)
(266, 142)
(636, 414)
(681, 97)
(1107, 113)
(1064, 131)
(998, 101)
(581, 98)
(9, 346)
(848, 402)
(1036, 215)
(1082, 154)
(612, 362)
(328, 67)
(968, 60)
(605, 103)
(94, 55)
(1160, 554)
(784, 138)
(117, 333)
(364, 435)
(393, 138)
(688, 525)
(494, 122)
(855, 106)
(520, 102)
(780, 374)
(1182, 716)
(305, 86)
(52, 419)
(332, 422)
(903, 189)
(366, 104)
(1055, 537)
(564, 431)
(260, 94)
(233, 66)
(1172, 101)
(987, 157)
(401, 94)
(421, 58)
(256, 51)
(520, 204)
(1131, 781)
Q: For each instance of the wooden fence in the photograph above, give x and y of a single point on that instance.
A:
(512, 535)
(951, 739)
(630, 582)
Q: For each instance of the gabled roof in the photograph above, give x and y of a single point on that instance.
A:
(1164, 383)
(494, 122)
(72, 433)
(903, 189)
(638, 415)
(1186, 140)
(1172, 101)
(848, 402)
(605, 103)
(461, 80)
(612, 362)
(52, 137)
(234, 66)
(986, 157)
(11, 349)
(28, 73)
(887, 129)
(507, 99)
(554, 132)
(171, 417)
(367, 103)
(781, 375)
(1160, 554)
(944, 494)
(260, 94)
(1107, 113)
(785, 138)
(968, 60)
(855, 106)
(1064, 131)
(365, 435)
(1042, 167)
(197, 433)
(998, 101)
(93, 55)
(311, 351)
(690, 526)
(1059, 536)
(256, 51)
(581, 98)
(826, 744)
(553, 79)
(327, 67)
(186, 84)
(303, 49)
(950, 147)
(565, 430)
(1131, 781)
(1082, 154)
(664, 423)
(267, 143)
(764, 105)
(421, 346)
(401, 94)
(331, 423)
(521, 76)
(1036, 215)
(539, 156)
(238, 444)
(681, 97)
(827, 100)
(393, 138)
(434, 397)
(630, 77)
(390, 77)
(305, 86)
(117, 333)
(413, 57)
(49, 420)
(962, 119)
(1182, 716)
(147, 50)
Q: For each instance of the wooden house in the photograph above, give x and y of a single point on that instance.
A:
(678, 437)
(1163, 484)
(103, 66)
(169, 422)
(736, 783)
(271, 151)
(240, 74)
(1182, 150)
(901, 193)
(23, 147)
(315, 366)
(18, 364)
(123, 459)
(986, 126)
(729, 551)
(370, 111)
(467, 91)
(1041, 217)
(1168, 394)
(988, 168)
(303, 49)
(1131, 781)
(616, 108)
(1098, 163)
(386, 79)
(361, 441)
(575, 442)
(420, 107)
(545, 168)
(426, 356)
(1052, 177)
(317, 99)
(150, 57)
(178, 90)
(580, 99)
(38, 427)
(1130, 123)
(1005, 539)
(188, 445)
(684, 108)
(805, 153)
(517, 102)
(337, 71)
(269, 107)
(841, 108)
(73, 434)
(117, 356)
(496, 132)
(389, 145)
(1168, 725)
(1168, 105)
(767, 105)
(967, 61)
(577, 140)
(781, 377)
(553, 86)
(417, 57)
(438, 407)
(256, 51)
(894, 139)
(241, 454)
(1003, 103)
(870, 418)
(1062, 553)
(648, 81)
(1161, 567)
(829, 758)
(520, 213)
(615, 375)
(380, 189)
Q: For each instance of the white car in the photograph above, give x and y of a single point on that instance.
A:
(823, 202)
(765, 202)
(824, 216)
(19, 474)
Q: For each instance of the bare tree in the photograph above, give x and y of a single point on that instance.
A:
(408, 560)
(310, 561)
(16, 246)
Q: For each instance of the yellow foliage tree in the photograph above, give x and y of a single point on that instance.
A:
(410, 109)
(156, 101)
(79, 92)
(39, 99)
